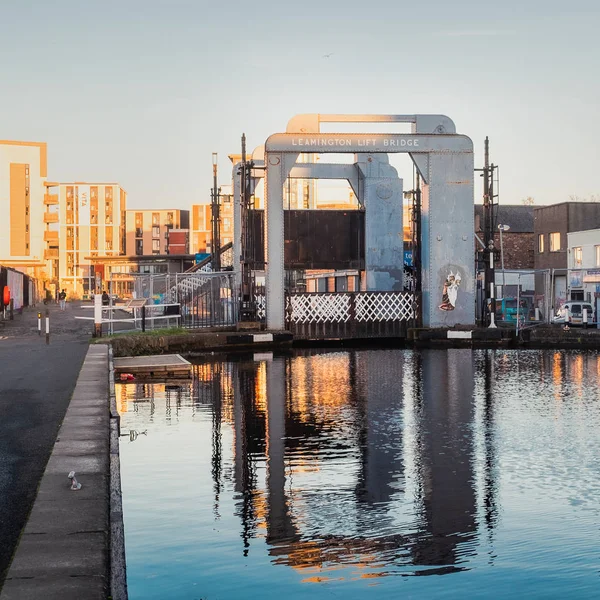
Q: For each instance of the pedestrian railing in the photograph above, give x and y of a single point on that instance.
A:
(132, 316)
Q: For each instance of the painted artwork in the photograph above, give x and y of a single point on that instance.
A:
(450, 291)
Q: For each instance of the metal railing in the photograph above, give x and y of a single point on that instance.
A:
(206, 300)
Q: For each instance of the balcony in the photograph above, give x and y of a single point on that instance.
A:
(51, 236)
(51, 254)
(50, 217)
(50, 199)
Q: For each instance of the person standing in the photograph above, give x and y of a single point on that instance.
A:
(62, 299)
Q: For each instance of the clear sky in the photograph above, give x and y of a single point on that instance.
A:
(142, 91)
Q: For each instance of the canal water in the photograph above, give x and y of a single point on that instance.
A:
(366, 474)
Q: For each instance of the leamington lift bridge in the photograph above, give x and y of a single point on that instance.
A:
(444, 160)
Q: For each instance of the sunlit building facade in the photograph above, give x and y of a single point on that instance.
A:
(90, 221)
(24, 202)
(147, 231)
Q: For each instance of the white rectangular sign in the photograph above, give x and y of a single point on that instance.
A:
(83, 197)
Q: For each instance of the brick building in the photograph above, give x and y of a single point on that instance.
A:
(518, 241)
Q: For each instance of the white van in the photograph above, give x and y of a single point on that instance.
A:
(574, 311)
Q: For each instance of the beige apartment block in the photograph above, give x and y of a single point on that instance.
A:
(147, 230)
(201, 226)
(23, 201)
(90, 221)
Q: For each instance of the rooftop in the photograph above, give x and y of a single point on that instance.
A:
(519, 217)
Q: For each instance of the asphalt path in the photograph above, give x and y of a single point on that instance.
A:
(36, 384)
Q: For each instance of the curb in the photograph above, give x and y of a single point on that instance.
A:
(118, 568)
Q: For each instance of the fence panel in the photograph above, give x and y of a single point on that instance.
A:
(350, 315)
(206, 299)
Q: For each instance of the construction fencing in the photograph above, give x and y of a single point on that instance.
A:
(538, 296)
(204, 299)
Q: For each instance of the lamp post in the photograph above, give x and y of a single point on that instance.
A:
(215, 238)
(502, 228)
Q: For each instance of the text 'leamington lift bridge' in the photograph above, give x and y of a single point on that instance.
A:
(445, 163)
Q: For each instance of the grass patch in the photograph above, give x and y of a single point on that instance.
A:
(150, 333)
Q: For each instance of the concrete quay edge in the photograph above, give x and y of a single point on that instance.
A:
(72, 546)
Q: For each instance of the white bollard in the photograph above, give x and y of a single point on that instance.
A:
(98, 315)
(537, 314)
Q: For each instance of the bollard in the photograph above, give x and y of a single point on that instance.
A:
(585, 318)
(144, 318)
(10, 309)
(537, 313)
(47, 326)
(98, 315)
(39, 323)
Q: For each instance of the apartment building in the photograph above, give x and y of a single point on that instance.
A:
(23, 201)
(147, 231)
(200, 232)
(89, 219)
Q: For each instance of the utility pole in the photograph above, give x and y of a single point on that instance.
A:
(489, 252)
(247, 308)
(216, 220)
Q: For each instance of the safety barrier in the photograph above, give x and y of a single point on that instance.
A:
(351, 314)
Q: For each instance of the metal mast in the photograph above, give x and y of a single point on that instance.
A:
(489, 227)
(216, 220)
(247, 309)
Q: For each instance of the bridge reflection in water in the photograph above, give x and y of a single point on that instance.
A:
(355, 465)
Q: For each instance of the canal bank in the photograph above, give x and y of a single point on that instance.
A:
(37, 383)
(72, 545)
(198, 343)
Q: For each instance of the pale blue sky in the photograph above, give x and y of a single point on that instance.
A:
(142, 91)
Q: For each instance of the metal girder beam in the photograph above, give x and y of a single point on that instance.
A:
(447, 214)
(311, 122)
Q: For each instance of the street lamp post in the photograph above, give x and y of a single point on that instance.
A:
(502, 228)
(215, 238)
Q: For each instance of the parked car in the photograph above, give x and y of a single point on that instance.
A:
(574, 311)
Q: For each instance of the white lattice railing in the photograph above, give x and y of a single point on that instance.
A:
(384, 306)
(363, 307)
(319, 308)
(342, 307)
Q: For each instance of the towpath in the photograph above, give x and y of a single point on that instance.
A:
(36, 384)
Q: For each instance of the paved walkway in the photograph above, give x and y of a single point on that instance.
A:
(36, 384)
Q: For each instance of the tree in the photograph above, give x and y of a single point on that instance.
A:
(529, 201)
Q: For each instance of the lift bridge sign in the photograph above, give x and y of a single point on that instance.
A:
(355, 142)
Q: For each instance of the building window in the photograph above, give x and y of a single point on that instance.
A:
(170, 219)
(156, 246)
(139, 247)
(577, 257)
(541, 243)
(155, 218)
(155, 232)
(108, 245)
(139, 220)
(555, 242)
(597, 249)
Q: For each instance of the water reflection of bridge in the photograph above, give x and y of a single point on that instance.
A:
(352, 409)
(358, 459)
